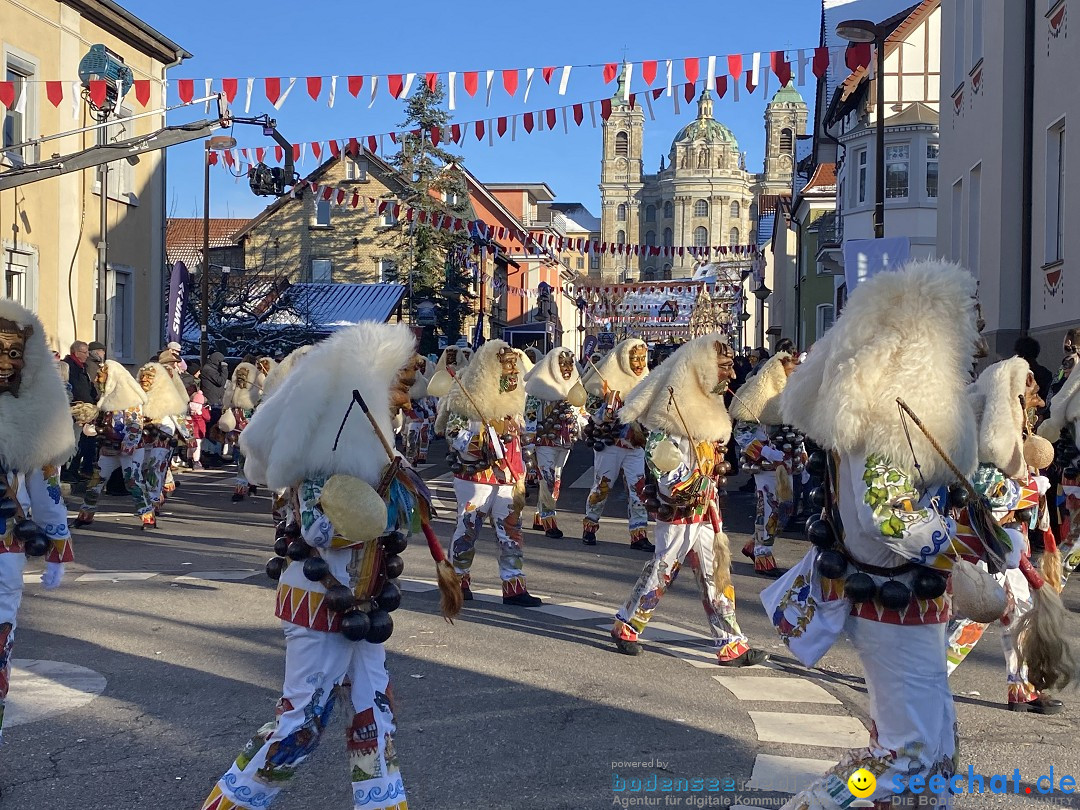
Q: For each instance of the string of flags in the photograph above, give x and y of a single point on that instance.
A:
(754, 68)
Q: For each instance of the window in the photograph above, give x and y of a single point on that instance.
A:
(650, 213)
(594, 261)
(959, 41)
(735, 209)
(322, 271)
(620, 237)
(974, 214)
(824, 318)
(701, 208)
(650, 274)
(667, 272)
(19, 277)
(650, 238)
(860, 170)
(20, 120)
(120, 312)
(580, 263)
(669, 210)
(121, 173)
(786, 141)
(356, 169)
(896, 171)
(387, 270)
(322, 213)
(701, 237)
(622, 145)
(976, 31)
(388, 217)
(955, 241)
(1055, 193)
(453, 199)
(668, 238)
(931, 170)
(733, 237)
(620, 213)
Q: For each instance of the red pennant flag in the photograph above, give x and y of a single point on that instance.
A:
(734, 63)
(510, 81)
(185, 88)
(547, 73)
(355, 199)
(395, 83)
(688, 92)
(479, 130)
(611, 69)
(721, 86)
(501, 126)
(314, 87)
(372, 143)
(455, 133)
(327, 193)
(335, 149)
(228, 87)
(435, 133)
(340, 196)
(781, 67)
(382, 206)
(316, 150)
(54, 91)
(527, 118)
(432, 80)
(821, 61)
(228, 157)
(356, 84)
(470, 81)
(648, 71)
(551, 117)
(393, 137)
(659, 91)
(750, 86)
(98, 91)
(353, 147)
(579, 114)
(691, 66)
(142, 91)
(279, 154)
(260, 154)
(7, 93)
(273, 89)
(295, 152)
(605, 109)
(857, 55)
(211, 159)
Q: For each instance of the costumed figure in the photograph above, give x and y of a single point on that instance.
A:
(883, 394)
(1001, 398)
(354, 504)
(162, 412)
(1062, 428)
(238, 403)
(618, 445)
(772, 451)
(554, 417)
(681, 405)
(119, 430)
(35, 439)
(482, 420)
(419, 416)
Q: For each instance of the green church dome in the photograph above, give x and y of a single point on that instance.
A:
(787, 95)
(704, 127)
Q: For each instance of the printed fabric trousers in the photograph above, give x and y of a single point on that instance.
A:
(607, 464)
(475, 503)
(155, 469)
(131, 466)
(550, 462)
(676, 542)
(913, 732)
(770, 516)
(315, 663)
(242, 485)
(417, 438)
(11, 588)
(1070, 547)
(964, 634)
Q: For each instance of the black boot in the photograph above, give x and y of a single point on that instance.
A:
(524, 599)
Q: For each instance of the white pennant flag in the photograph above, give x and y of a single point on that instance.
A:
(565, 123)
(755, 69)
(408, 84)
(374, 89)
(592, 113)
(247, 101)
(528, 84)
(629, 66)
(76, 99)
(451, 80)
(303, 153)
(513, 127)
(710, 74)
(490, 132)
(490, 76)
(803, 60)
(539, 120)
(675, 97)
(20, 100)
(285, 95)
(206, 107)
(648, 103)
(668, 70)
(564, 80)
(333, 92)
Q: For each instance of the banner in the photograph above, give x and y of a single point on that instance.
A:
(178, 284)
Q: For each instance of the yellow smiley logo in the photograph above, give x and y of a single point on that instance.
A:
(862, 783)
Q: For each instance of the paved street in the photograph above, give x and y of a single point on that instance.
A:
(139, 680)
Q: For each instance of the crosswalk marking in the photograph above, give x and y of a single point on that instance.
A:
(585, 480)
(827, 731)
(117, 576)
(223, 576)
(775, 689)
(41, 689)
(786, 774)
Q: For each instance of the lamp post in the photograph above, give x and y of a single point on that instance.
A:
(215, 143)
(868, 32)
(761, 293)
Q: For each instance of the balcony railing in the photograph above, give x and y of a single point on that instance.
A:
(829, 228)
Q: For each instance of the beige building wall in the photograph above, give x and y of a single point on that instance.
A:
(49, 230)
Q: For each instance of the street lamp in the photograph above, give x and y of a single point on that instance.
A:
(868, 32)
(761, 293)
(218, 142)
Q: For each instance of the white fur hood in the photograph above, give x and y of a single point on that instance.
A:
(615, 369)
(163, 399)
(758, 399)
(995, 398)
(121, 391)
(545, 380)
(481, 380)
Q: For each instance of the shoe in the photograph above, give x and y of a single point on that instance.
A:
(588, 538)
(237, 497)
(525, 599)
(1043, 704)
(643, 545)
(554, 533)
(197, 467)
(748, 550)
(84, 519)
(747, 659)
(628, 647)
(466, 593)
(149, 521)
(253, 490)
(538, 525)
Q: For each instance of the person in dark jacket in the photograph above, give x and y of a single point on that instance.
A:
(82, 390)
(1028, 348)
(212, 381)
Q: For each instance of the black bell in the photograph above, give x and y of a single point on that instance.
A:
(292, 530)
(820, 533)
(721, 481)
(859, 587)
(394, 565)
(355, 625)
(8, 509)
(315, 568)
(455, 467)
(816, 465)
(281, 546)
(275, 566)
(665, 513)
(651, 504)
(1023, 516)
(832, 565)
(298, 550)
(395, 542)
(389, 597)
(597, 446)
(35, 541)
(1071, 472)
(451, 457)
(279, 529)
(609, 442)
(817, 498)
(650, 491)
(895, 595)
(928, 584)
(339, 598)
(381, 627)
(958, 497)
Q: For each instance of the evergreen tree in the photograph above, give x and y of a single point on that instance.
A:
(436, 258)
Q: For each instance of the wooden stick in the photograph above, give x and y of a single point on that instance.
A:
(940, 451)
(472, 401)
(689, 436)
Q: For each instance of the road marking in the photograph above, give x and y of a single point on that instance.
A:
(827, 731)
(575, 611)
(417, 585)
(585, 480)
(786, 774)
(222, 576)
(785, 690)
(117, 576)
(41, 689)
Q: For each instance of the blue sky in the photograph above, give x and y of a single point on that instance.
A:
(325, 37)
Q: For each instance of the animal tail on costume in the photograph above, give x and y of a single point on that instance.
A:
(1050, 564)
(1041, 643)
(450, 596)
(721, 572)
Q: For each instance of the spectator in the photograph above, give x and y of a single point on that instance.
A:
(1028, 348)
(97, 357)
(213, 378)
(83, 390)
(787, 345)
(200, 416)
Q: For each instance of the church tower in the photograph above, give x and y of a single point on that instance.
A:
(620, 187)
(785, 120)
